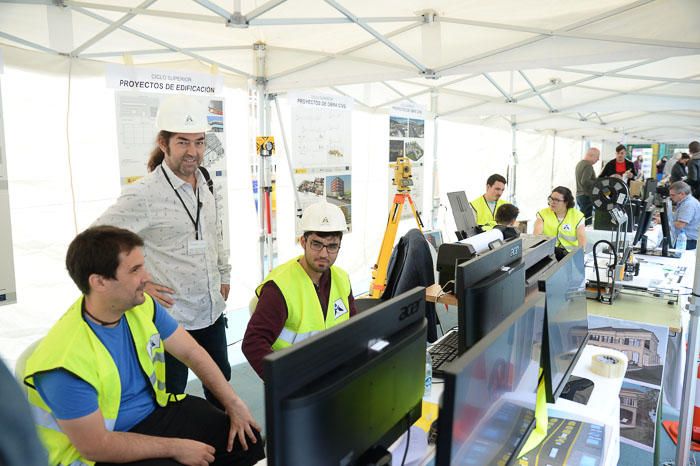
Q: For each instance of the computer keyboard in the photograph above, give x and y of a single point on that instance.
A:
(444, 351)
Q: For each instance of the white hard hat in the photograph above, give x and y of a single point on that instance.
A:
(182, 114)
(323, 216)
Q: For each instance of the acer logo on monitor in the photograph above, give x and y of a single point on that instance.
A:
(408, 310)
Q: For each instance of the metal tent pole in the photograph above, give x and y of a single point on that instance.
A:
(289, 156)
(685, 427)
(436, 182)
(513, 182)
(264, 168)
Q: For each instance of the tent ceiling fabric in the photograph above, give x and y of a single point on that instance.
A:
(620, 69)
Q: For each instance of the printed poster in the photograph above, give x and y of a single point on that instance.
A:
(322, 151)
(136, 138)
(407, 139)
(645, 347)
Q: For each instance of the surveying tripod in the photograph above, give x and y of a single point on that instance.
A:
(403, 182)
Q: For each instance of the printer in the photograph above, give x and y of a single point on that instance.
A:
(538, 256)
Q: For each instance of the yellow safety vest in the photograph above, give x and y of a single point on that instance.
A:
(72, 345)
(565, 232)
(304, 313)
(485, 217)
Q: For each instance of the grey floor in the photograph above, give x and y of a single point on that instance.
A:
(250, 388)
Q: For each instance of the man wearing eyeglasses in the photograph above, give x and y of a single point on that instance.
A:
(177, 215)
(305, 295)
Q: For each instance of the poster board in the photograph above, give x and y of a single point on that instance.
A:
(322, 151)
(136, 123)
(407, 139)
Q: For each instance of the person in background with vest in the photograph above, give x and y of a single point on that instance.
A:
(563, 221)
(97, 380)
(485, 206)
(305, 295)
(177, 215)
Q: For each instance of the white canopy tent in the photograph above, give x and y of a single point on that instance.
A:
(542, 78)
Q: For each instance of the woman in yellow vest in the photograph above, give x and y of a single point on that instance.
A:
(562, 220)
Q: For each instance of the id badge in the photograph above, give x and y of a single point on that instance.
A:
(196, 246)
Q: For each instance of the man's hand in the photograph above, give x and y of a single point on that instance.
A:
(193, 453)
(225, 288)
(160, 293)
(242, 424)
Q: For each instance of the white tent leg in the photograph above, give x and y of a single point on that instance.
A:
(289, 156)
(685, 427)
(514, 160)
(436, 185)
(264, 171)
(554, 158)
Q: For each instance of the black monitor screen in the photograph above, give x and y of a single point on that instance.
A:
(488, 404)
(644, 221)
(566, 332)
(488, 288)
(349, 391)
(666, 227)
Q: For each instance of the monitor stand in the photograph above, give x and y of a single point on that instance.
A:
(578, 389)
(375, 456)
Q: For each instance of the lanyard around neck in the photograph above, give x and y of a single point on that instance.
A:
(195, 222)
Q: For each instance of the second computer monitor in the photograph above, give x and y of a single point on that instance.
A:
(488, 288)
(488, 406)
(566, 317)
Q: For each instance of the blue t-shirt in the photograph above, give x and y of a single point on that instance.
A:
(688, 211)
(70, 397)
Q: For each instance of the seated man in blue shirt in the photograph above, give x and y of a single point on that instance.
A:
(97, 380)
(686, 216)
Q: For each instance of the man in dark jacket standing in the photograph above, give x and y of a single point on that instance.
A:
(585, 179)
(619, 166)
(694, 167)
(680, 169)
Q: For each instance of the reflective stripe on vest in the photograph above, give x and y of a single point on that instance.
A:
(304, 313)
(485, 218)
(291, 337)
(47, 420)
(552, 227)
(88, 359)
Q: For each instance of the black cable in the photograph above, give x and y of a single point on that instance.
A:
(408, 439)
(599, 295)
(235, 342)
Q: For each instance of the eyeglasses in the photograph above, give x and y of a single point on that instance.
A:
(554, 199)
(318, 246)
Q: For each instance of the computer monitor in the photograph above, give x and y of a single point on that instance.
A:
(650, 185)
(566, 318)
(463, 214)
(348, 393)
(488, 288)
(644, 221)
(488, 404)
(666, 217)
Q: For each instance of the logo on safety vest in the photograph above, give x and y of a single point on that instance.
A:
(153, 342)
(566, 227)
(339, 308)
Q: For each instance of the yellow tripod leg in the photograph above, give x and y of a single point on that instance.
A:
(379, 273)
(416, 215)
